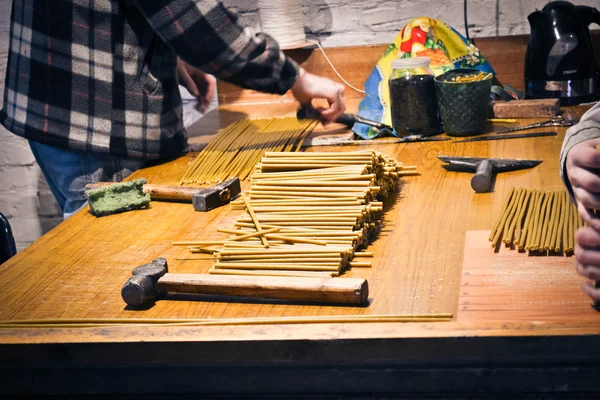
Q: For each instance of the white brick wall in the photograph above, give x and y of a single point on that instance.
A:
(24, 195)
(354, 22)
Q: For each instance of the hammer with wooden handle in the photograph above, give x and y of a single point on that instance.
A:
(149, 281)
(204, 199)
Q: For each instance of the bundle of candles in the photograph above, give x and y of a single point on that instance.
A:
(235, 151)
(471, 78)
(307, 214)
(535, 220)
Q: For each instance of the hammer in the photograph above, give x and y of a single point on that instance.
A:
(149, 281)
(484, 168)
(203, 199)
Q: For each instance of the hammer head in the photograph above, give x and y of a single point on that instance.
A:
(142, 286)
(470, 164)
(216, 196)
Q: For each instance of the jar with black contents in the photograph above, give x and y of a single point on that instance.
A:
(413, 99)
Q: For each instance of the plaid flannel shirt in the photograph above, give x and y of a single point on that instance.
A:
(100, 75)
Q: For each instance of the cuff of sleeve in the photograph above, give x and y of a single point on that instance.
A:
(289, 74)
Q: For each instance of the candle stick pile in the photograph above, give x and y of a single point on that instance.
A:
(236, 150)
(307, 214)
(535, 220)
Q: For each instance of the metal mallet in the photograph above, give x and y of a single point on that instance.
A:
(484, 168)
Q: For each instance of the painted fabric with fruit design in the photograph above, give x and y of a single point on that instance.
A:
(421, 37)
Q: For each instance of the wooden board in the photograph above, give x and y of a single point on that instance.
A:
(508, 285)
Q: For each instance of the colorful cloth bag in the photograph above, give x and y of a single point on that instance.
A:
(421, 37)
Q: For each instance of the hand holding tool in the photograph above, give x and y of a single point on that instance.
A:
(203, 199)
(555, 121)
(309, 112)
(484, 168)
(149, 281)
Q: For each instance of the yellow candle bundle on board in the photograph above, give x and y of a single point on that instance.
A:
(307, 214)
(471, 78)
(235, 151)
(536, 220)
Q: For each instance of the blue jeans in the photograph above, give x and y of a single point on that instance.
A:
(68, 171)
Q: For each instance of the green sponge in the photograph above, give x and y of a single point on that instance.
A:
(117, 198)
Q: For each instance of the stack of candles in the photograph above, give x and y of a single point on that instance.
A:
(471, 78)
(535, 220)
(235, 151)
(307, 214)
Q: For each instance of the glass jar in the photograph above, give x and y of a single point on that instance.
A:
(413, 100)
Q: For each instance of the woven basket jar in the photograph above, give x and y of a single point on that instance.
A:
(463, 105)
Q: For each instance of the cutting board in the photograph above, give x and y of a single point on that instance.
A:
(505, 285)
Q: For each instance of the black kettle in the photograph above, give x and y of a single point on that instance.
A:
(560, 61)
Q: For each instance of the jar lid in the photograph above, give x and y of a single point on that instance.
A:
(414, 62)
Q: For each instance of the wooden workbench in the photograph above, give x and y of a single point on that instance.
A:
(515, 329)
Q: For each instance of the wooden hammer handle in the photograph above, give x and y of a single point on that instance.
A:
(159, 192)
(321, 290)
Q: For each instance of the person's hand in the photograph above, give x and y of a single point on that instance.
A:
(309, 87)
(200, 84)
(587, 254)
(583, 166)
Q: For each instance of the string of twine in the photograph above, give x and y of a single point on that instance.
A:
(336, 71)
(282, 19)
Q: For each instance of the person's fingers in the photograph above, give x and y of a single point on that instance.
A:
(588, 237)
(589, 271)
(589, 289)
(336, 103)
(587, 252)
(584, 178)
(585, 198)
(588, 262)
(207, 84)
(585, 154)
(335, 110)
(309, 87)
(211, 88)
(186, 80)
(586, 214)
(333, 92)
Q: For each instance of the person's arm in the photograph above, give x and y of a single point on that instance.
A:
(209, 37)
(580, 168)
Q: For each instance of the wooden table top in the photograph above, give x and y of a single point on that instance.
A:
(77, 269)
